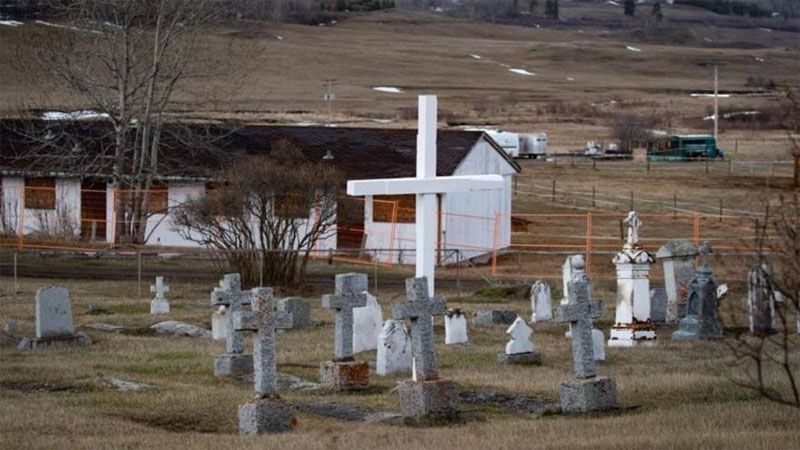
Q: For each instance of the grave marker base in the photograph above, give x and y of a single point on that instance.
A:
(344, 375)
(159, 307)
(233, 365)
(75, 340)
(591, 394)
(266, 416)
(531, 358)
(436, 400)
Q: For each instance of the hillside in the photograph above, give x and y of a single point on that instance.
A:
(575, 74)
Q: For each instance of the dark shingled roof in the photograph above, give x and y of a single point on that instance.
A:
(357, 152)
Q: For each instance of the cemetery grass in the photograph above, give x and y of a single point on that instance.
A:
(675, 396)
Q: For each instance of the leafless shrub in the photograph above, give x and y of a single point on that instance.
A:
(268, 213)
(768, 363)
(631, 131)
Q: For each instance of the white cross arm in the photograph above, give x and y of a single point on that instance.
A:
(437, 185)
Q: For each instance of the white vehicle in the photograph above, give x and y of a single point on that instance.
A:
(593, 149)
(532, 145)
(507, 141)
(520, 145)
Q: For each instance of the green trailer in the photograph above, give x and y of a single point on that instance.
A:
(684, 147)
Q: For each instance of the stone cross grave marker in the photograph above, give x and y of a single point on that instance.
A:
(426, 186)
(230, 287)
(233, 361)
(420, 309)
(350, 293)
(579, 312)
(587, 392)
(263, 320)
(159, 305)
(265, 413)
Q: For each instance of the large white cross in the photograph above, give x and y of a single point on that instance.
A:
(426, 185)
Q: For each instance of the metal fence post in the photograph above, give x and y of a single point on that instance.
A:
(16, 286)
(139, 277)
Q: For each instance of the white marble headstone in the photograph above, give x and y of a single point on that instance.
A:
(541, 302)
(455, 328)
(394, 349)
(367, 323)
(220, 324)
(520, 333)
(53, 313)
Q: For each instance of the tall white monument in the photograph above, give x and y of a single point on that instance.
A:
(633, 325)
(426, 186)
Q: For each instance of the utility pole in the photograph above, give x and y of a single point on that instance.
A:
(329, 95)
(716, 104)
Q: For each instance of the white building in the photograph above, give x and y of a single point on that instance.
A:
(47, 200)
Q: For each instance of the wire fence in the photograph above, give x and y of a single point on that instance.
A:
(470, 248)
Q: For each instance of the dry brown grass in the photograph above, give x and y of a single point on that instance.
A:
(678, 395)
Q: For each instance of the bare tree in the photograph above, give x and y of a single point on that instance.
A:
(768, 362)
(631, 130)
(267, 215)
(127, 61)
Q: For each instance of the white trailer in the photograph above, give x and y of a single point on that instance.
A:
(519, 145)
(532, 145)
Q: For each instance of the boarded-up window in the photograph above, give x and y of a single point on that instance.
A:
(158, 202)
(383, 208)
(40, 193)
(291, 206)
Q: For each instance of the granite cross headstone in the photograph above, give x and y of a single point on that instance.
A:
(579, 312)
(420, 308)
(232, 362)
(350, 293)
(265, 413)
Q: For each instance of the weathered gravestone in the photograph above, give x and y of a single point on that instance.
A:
(677, 259)
(702, 315)
(761, 300)
(230, 288)
(578, 267)
(394, 349)
(265, 413)
(298, 309)
(425, 396)
(233, 362)
(159, 305)
(658, 304)
(455, 327)
(588, 392)
(541, 302)
(632, 326)
(487, 317)
(367, 324)
(520, 349)
(343, 372)
(54, 325)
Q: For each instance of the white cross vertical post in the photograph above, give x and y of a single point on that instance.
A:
(426, 216)
(426, 186)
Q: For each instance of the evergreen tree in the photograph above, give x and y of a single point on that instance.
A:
(630, 7)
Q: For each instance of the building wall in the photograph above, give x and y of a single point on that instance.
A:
(63, 221)
(472, 222)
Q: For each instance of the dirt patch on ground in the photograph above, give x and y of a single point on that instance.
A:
(509, 402)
